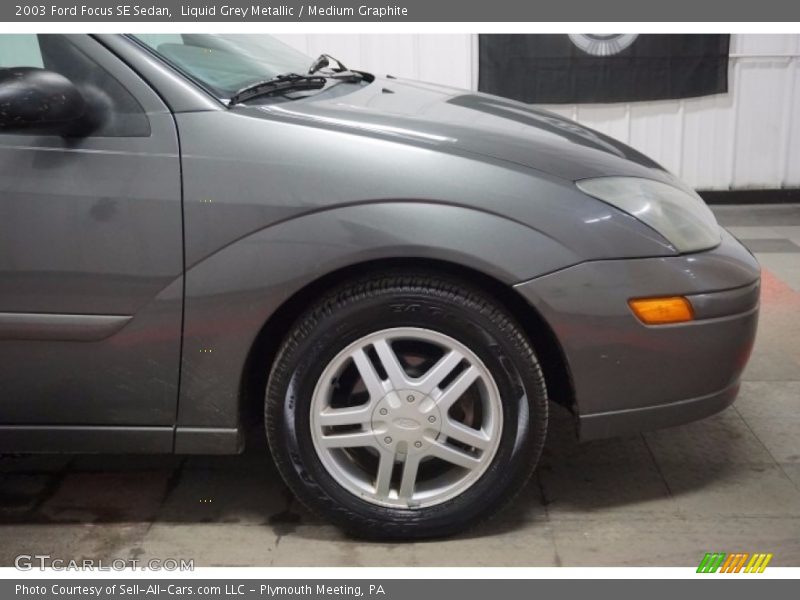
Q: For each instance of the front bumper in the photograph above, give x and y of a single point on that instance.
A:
(630, 377)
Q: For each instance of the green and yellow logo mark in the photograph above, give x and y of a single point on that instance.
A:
(738, 562)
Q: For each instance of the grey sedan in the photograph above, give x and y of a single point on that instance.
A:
(196, 230)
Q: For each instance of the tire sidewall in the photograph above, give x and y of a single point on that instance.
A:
(495, 341)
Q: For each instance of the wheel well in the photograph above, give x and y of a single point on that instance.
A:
(268, 341)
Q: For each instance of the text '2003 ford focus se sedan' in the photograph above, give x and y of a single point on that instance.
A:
(400, 275)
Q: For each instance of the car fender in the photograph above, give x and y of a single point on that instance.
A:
(231, 294)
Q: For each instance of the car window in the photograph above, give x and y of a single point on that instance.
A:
(123, 116)
(20, 51)
(224, 64)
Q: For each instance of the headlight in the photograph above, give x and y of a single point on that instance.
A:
(680, 216)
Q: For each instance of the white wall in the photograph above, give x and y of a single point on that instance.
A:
(749, 137)
(445, 58)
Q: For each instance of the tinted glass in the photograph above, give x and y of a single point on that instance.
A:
(224, 64)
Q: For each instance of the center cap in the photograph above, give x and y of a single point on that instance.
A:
(406, 421)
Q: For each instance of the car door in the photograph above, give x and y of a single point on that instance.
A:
(90, 263)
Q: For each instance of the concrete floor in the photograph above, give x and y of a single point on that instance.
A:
(729, 483)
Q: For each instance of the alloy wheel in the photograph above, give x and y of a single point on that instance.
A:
(406, 417)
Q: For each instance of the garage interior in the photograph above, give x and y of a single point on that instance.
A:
(728, 483)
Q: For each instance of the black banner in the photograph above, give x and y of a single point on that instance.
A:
(579, 68)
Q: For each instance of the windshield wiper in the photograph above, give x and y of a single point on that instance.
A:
(290, 82)
(340, 72)
(324, 60)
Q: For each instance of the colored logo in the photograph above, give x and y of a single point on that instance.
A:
(737, 562)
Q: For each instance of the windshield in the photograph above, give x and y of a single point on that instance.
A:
(225, 64)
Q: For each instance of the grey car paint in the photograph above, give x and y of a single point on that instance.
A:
(91, 262)
(276, 197)
(614, 358)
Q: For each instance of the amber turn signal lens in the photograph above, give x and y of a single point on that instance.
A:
(661, 311)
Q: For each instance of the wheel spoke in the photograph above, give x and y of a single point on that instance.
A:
(437, 373)
(409, 479)
(457, 388)
(368, 375)
(465, 435)
(353, 439)
(395, 439)
(332, 417)
(391, 365)
(454, 456)
(383, 480)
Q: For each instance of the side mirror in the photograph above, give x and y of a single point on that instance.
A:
(36, 99)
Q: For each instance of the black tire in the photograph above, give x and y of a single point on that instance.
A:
(403, 299)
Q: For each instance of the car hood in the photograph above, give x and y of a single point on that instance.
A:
(478, 124)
